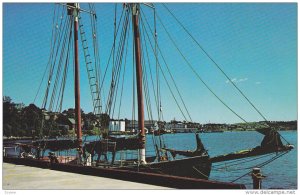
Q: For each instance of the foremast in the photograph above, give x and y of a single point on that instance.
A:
(139, 70)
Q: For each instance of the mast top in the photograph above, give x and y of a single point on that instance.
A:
(72, 6)
(135, 9)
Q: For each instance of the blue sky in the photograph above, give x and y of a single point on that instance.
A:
(254, 43)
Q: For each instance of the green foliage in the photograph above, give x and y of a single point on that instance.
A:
(32, 121)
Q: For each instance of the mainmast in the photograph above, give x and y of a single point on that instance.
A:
(73, 9)
(137, 44)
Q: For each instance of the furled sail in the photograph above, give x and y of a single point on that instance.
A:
(200, 150)
(271, 143)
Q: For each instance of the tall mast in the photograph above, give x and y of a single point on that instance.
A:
(137, 44)
(75, 13)
(77, 83)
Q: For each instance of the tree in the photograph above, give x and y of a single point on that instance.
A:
(71, 113)
(11, 118)
(104, 120)
(32, 118)
(7, 99)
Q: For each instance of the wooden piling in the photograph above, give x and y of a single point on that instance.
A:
(257, 178)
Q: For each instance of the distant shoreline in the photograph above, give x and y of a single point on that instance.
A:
(12, 138)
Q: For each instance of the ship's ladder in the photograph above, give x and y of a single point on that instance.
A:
(91, 71)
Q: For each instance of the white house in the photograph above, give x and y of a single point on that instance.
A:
(176, 126)
(116, 125)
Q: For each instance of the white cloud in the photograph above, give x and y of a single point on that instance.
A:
(234, 79)
(257, 82)
(242, 80)
(237, 80)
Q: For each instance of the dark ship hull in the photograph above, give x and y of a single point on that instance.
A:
(194, 167)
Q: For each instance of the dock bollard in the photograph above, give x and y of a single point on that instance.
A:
(257, 178)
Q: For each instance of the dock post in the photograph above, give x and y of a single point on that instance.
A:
(257, 178)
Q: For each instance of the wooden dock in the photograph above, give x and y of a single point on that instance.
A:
(129, 176)
(20, 177)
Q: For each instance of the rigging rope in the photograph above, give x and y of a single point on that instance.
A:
(133, 83)
(151, 76)
(145, 78)
(198, 76)
(155, 97)
(157, 69)
(64, 77)
(261, 165)
(123, 77)
(120, 60)
(52, 49)
(56, 47)
(117, 68)
(49, 57)
(59, 66)
(217, 67)
(214, 62)
(240, 161)
(110, 56)
(176, 87)
(164, 76)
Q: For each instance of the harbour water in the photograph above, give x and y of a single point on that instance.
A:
(281, 173)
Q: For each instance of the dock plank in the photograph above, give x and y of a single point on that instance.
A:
(20, 177)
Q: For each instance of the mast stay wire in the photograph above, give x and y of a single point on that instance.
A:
(59, 66)
(64, 76)
(117, 68)
(161, 138)
(52, 59)
(146, 89)
(239, 161)
(263, 164)
(197, 74)
(51, 51)
(260, 165)
(223, 72)
(215, 63)
(167, 66)
(145, 77)
(120, 58)
(164, 76)
(155, 95)
(54, 65)
(110, 94)
(124, 45)
(151, 75)
(110, 56)
(62, 44)
(155, 92)
(133, 81)
(172, 78)
(123, 77)
(159, 104)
